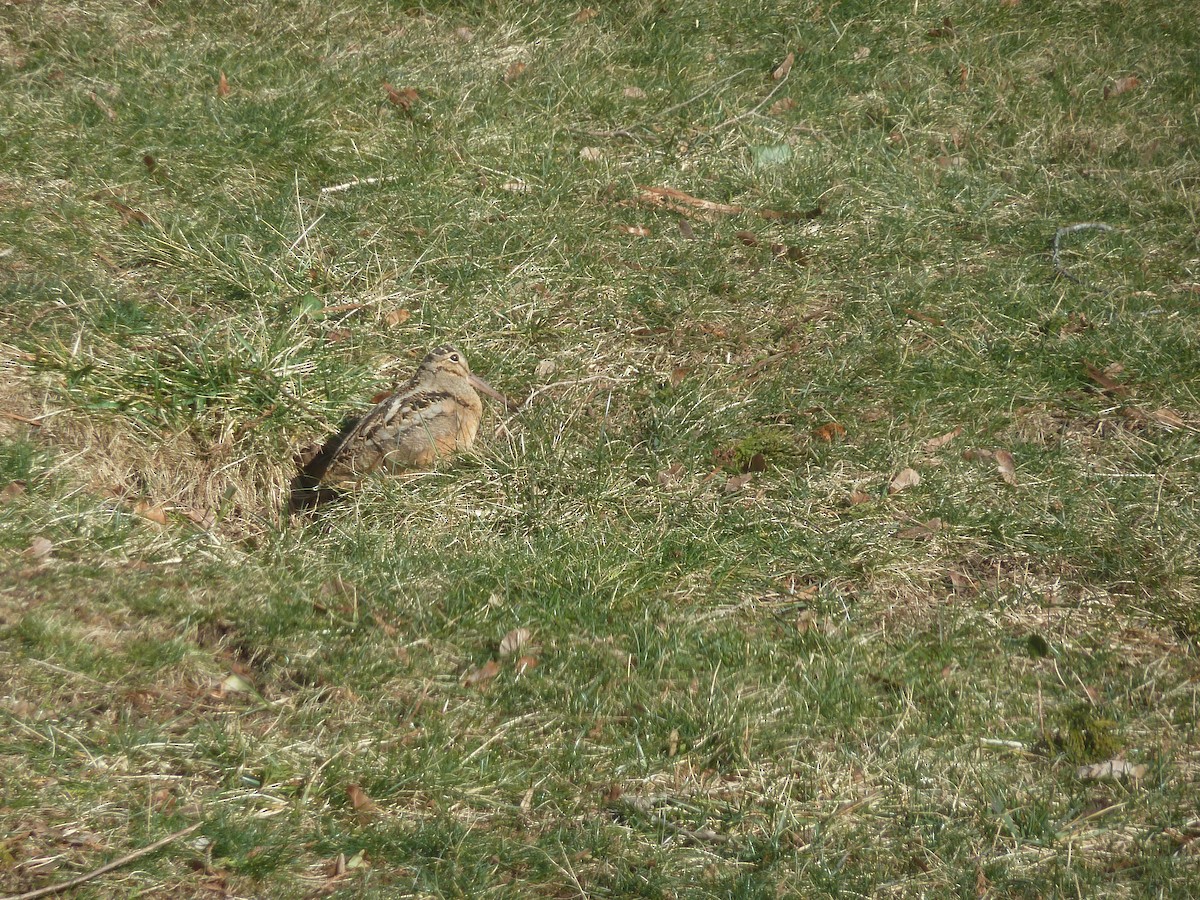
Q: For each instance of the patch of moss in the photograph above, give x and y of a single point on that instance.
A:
(1087, 737)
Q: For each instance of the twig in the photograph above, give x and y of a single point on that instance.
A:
(17, 417)
(680, 202)
(1059, 268)
(107, 867)
(338, 188)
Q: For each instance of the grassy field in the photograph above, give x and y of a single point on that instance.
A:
(841, 526)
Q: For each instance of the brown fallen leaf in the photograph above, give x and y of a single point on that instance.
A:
(862, 52)
(483, 675)
(515, 71)
(129, 215)
(39, 548)
(922, 531)
(525, 663)
(857, 497)
(789, 253)
(946, 29)
(749, 238)
(397, 317)
(11, 491)
(585, 15)
(202, 517)
(670, 198)
(151, 511)
(222, 86)
(678, 374)
(102, 106)
(781, 106)
(1121, 86)
(636, 230)
(975, 453)
(961, 583)
(935, 444)
(634, 93)
(905, 479)
(829, 432)
(669, 477)
(1168, 418)
(513, 641)
(1103, 379)
(591, 154)
(781, 71)
(735, 483)
(149, 162)
(464, 34)
(403, 98)
(363, 805)
(1006, 466)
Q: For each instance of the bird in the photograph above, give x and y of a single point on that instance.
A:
(435, 414)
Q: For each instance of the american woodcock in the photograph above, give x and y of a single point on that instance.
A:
(435, 414)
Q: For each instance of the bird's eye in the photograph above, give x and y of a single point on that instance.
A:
(453, 357)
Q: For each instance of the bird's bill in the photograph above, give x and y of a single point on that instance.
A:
(484, 388)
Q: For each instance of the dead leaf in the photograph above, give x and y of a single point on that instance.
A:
(747, 237)
(791, 254)
(149, 162)
(591, 154)
(483, 675)
(862, 52)
(360, 801)
(670, 476)
(636, 230)
(150, 511)
(397, 317)
(464, 34)
(102, 106)
(11, 491)
(525, 663)
(961, 583)
(735, 483)
(585, 15)
(515, 71)
(946, 29)
(905, 479)
(1006, 466)
(516, 186)
(39, 548)
(404, 98)
(1112, 770)
(129, 215)
(670, 198)
(857, 497)
(202, 517)
(829, 432)
(781, 106)
(973, 454)
(678, 374)
(922, 531)
(1167, 418)
(1120, 86)
(233, 683)
(781, 71)
(222, 86)
(634, 93)
(673, 742)
(934, 444)
(513, 641)
(1103, 379)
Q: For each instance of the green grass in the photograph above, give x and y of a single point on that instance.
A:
(802, 686)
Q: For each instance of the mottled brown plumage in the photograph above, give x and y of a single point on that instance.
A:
(435, 414)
